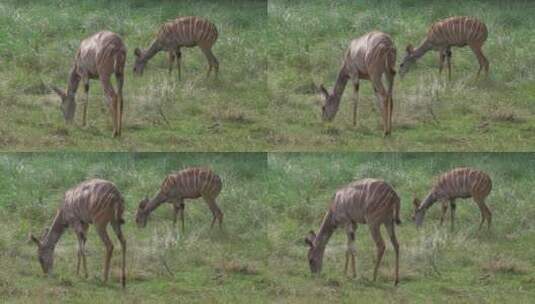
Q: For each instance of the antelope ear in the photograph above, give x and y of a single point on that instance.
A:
(137, 52)
(45, 232)
(58, 91)
(31, 237)
(143, 203)
(323, 91)
(309, 240)
(409, 49)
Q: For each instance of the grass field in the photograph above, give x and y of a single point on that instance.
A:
(272, 56)
(308, 39)
(200, 266)
(270, 202)
(436, 266)
(38, 41)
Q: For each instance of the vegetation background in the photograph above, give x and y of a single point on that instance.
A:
(437, 266)
(270, 202)
(307, 40)
(38, 41)
(273, 54)
(199, 266)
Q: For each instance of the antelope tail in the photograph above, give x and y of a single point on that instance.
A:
(397, 206)
(118, 210)
(390, 62)
(120, 58)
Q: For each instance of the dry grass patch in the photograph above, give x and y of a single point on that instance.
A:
(506, 115)
(501, 264)
(236, 267)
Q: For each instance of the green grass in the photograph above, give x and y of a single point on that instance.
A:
(202, 265)
(270, 202)
(437, 266)
(38, 41)
(272, 55)
(308, 39)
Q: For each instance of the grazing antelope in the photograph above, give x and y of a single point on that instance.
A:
(181, 32)
(368, 201)
(457, 183)
(96, 202)
(98, 57)
(189, 183)
(444, 34)
(368, 57)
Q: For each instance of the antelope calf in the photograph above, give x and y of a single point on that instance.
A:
(457, 183)
(444, 34)
(368, 201)
(189, 183)
(368, 57)
(96, 202)
(178, 33)
(98, 57)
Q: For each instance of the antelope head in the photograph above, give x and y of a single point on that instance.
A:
(68, 105)
(315, 256)
(139, 65)
(141, 214)
(418, 213)
(45, 255)
(329, 104)
(407, 61)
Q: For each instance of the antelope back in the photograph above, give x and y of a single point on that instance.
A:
(458, 31)
(92, 201)
(371, 52)
(463, 183)
(188, 31)
(367, 200)
(98, 50)
(192, 183)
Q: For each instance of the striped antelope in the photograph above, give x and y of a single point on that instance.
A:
(368, 57)
(181, 32)
(97, 202)
(368, 201)
(98, 57)
(457, 183)
(189, 183)
(444, 34)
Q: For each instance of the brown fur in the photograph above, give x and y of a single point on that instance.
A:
(189, 183)
(447, 33)
(454, 184)
(369, 201)
(368, 57)
(98, 57)
(96, 202)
